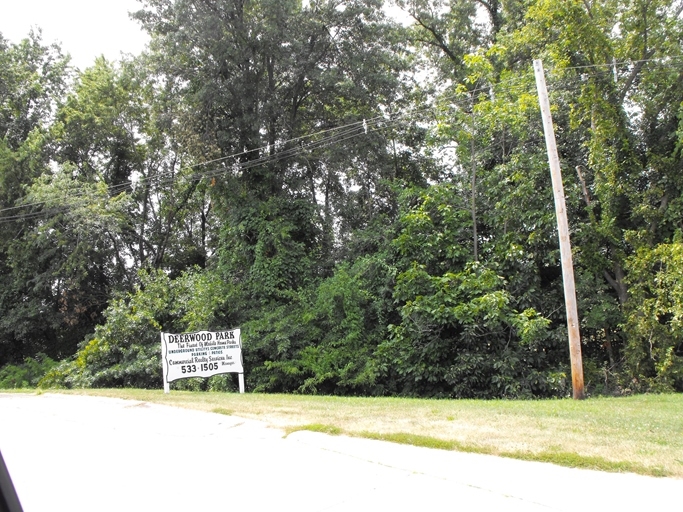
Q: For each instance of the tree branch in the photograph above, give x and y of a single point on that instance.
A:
(584, 188)
(439, 40)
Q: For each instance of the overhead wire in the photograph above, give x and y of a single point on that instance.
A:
(300, 144)
(166, 178)
(233, 156)
(336, 134)
(625, 62)
(355, 124)
(176, 173)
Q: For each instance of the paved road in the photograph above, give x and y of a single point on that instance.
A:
(72, 453)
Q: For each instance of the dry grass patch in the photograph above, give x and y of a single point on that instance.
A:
(642, 434)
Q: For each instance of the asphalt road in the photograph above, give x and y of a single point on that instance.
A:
(75, 453)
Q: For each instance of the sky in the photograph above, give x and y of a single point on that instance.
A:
(85, 29)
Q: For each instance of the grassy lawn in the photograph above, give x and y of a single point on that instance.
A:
(642, 434)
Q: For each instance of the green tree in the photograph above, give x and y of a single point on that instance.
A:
(125, 351)
(118, 126)
(259, 75)
(255, 79)
(33, 77)
(460, 333)
(612, 69)
(370, 234)
(654, 317)
(622, 57)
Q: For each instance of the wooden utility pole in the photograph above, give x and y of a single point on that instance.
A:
(563, 230)
(473, 183)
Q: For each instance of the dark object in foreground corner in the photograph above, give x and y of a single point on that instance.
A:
(9, 501)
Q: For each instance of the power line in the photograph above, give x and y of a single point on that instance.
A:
(343, 129)
(336, 134)
(356, 124)
(609, 65)
(299, 145)
(173, 173)
(351, 130)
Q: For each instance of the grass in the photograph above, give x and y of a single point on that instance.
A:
(641, 434)
(316, 427)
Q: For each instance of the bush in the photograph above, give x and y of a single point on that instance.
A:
(654, 319)
(126, 350)
(25, 375)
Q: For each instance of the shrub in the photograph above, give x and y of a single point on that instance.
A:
(25, 375)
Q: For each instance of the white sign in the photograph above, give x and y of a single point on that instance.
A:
(200, 354)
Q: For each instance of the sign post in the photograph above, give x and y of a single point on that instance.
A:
(201, 354)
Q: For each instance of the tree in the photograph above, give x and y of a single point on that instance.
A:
(259, 75)
(625, 109)
(119, 126)
(654, 352)
(32, 79)
(369, 233)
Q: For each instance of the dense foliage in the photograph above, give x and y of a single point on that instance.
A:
(369, 201)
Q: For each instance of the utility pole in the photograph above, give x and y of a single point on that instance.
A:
(563, 231)
(473, 184)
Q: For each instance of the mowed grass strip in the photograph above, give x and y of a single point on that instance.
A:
(641, 434)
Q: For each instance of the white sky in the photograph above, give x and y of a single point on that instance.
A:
(86, 29)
